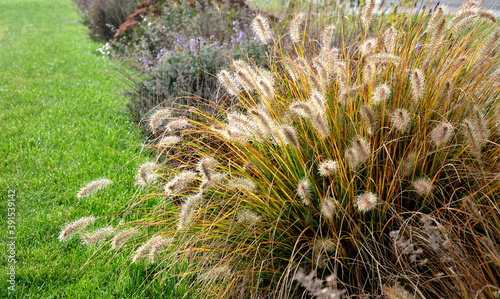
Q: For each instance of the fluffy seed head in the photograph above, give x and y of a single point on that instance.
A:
(319, 100)
(358, 153)
(417, 84)
(366, 202)
(143, 251)
(407, 164)
(248, 217)
(264, 122)
(180, 181)
(260, 26)
(471, 207)
(265, 88)
(245, 78)
(187, 210)
(435, 19)
(294, 29)
(341, 76)
(400, 119)
(328, 167)
(155, 250)
(94, 238)
(215, 178)
(397, 292)
(169, 141)
(146, 173)
(368, 47)
(489, 46)
(289, 135)
(367, 13)
(441, 134)
(219, 272)
(423, 186)
(177, 125)
(384, 58)
(122, 237)
(326, 38)
(368, 118)
(304, 191)
(229, 82)
(323, 244)
(157, 118)
(243, 184)
(473, 137)
(481, 124)
(205, 167)
(497, 119)
(323, 72)
(304, 109)
(73, 227)
(369, 72)
(93, 187)
(327, 207)
(390, 39)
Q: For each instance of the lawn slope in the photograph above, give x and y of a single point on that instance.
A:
(62, 125)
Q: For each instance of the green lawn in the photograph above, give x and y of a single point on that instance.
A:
(62, 125)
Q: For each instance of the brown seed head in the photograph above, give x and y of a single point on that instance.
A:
(400, 119)
(441, 134)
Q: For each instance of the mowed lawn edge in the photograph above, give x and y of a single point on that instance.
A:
(63, 124)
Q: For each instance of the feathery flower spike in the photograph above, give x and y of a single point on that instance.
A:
(368, 47)
(368, 118)
(93, 187)
(366, 202)
(73, 227)
(304, 191)
(145, 248)
(400, 119)
(205, 167)
(328, 207)
(176, 125)
(243, 184)
(367, 13)
(169, 141)
(146, 173)
(260, 26)
(229, 82)
(180, 181)
(294, 29)
(154, 252)
(289, 135)
(157, 118)
(423, 186)
(441, 133)
(326, 38)
(390, 37)
(122, 237)
(187, 210)
(94, 238)
(216, 273)
(328, 167)
(248, 217)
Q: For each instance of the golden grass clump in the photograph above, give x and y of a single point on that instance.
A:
(375, 153)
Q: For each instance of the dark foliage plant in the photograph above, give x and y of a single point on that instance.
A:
(107, 15)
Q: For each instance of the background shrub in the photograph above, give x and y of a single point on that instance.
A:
(106, 16)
